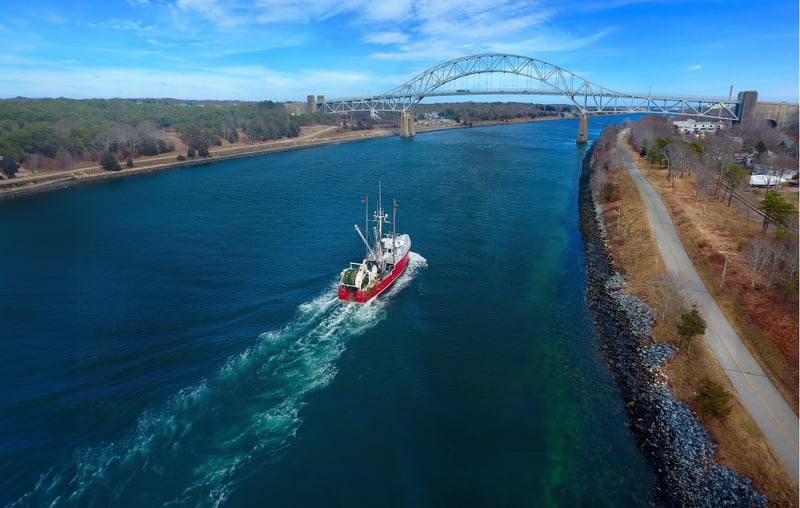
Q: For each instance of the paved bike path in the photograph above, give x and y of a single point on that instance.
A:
(762, 400)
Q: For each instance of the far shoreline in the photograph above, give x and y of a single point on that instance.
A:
(39, 184)
(18, 188)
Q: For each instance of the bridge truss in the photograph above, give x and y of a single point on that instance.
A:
(589, 98)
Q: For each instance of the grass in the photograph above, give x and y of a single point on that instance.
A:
(741, 446)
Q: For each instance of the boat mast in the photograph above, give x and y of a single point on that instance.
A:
(366, 218)
(394, 231)
(379, 217)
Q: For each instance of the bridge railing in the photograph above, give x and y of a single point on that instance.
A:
(705, 108)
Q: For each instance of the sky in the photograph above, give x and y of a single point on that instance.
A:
(284, 50)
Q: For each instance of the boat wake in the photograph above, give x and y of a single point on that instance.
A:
(208, 438)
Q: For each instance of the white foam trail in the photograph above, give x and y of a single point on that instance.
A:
(199, 446)
(196, 449)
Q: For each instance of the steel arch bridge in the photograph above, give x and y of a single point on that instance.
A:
(588, 97)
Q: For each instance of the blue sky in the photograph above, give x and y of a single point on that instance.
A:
(283, 50)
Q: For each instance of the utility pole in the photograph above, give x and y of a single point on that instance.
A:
(724, 269)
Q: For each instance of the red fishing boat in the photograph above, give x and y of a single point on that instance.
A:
(384, 261)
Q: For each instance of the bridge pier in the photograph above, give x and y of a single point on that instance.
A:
(583, 129)
(746, 108)
(407, 128)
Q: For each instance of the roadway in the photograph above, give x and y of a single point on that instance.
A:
(769, 410)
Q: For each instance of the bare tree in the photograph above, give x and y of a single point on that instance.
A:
(755, 132)
(104, 140)
(149, 132)
(783, 257)
(32, 161)
(677, 154)
(228, 129)
(127, 137)
(64, 158)
(666, 290)
(757, 257)
(618, 157)
(792, 258)
(776, 166)
(719, 150)
(647, 129)
(776, 259)
(735, 177)
(599, 181)
(791, 262)
(703, 178)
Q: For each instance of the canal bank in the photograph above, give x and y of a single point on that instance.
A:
(672, 440)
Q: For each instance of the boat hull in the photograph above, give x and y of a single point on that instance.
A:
(362, 296)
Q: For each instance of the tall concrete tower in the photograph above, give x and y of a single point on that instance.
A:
(746, 110)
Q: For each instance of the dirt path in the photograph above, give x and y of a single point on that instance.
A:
(769, 410)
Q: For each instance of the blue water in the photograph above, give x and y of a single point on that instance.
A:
(174, 339)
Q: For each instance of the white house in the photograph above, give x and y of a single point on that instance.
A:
(692, 126)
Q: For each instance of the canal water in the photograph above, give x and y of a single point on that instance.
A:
(174, 339)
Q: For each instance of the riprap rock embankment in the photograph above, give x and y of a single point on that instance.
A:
(670, 436)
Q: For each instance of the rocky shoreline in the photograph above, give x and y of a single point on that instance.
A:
(671, 438)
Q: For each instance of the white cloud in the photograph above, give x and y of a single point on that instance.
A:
(409, 30)
(229, 14)
(122, 25)
(695, 67)
(54, 17)
(386, 38)
(446, 48)
(232, 82)
(394, 10)
(225, 17)
(279, 11)
(159, 44)
(444, 29)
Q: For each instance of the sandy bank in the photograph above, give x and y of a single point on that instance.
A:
(48, 181)
(44, 181)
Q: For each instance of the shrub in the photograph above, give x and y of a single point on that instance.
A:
(9, 166)
(691, 323)
(109, 162)
(712, 399)
(608, 192)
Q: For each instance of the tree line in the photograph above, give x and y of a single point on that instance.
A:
(716, 163)
(494, 111)
(47, 132)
